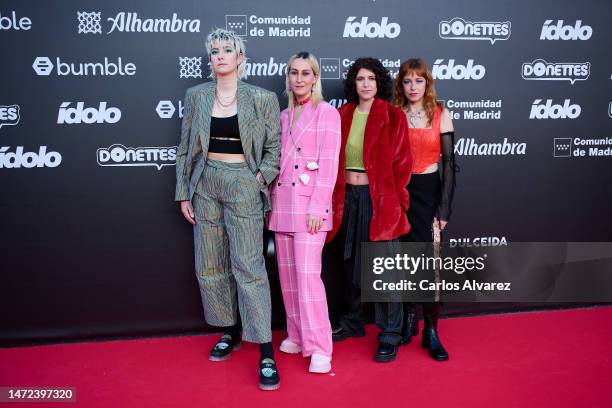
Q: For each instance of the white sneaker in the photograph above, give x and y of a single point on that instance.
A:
(320, 364)
(289, 347)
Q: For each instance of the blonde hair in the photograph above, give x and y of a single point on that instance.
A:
(219, 35)
(317, 89)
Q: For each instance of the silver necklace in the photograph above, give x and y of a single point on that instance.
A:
(414, 116)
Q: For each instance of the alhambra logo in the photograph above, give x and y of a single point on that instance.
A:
(131, 22)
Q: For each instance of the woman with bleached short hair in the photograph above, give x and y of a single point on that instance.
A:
(228, 155)
(301, 209)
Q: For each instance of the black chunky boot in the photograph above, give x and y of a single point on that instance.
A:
(430, 339)
(385, 353)
(411, 324)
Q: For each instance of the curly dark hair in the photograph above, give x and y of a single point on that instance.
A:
(384, 84)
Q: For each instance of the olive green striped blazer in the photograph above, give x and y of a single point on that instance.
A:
(259, 123)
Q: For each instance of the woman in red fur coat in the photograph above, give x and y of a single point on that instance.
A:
(370, 197)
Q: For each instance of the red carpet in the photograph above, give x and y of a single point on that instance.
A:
(543, 359)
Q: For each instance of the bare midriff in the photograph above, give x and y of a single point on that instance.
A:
(356, 178)
(227, 157)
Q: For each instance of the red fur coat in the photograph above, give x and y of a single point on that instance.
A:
(388, 164)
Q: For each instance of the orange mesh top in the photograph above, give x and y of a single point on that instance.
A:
(425, 144)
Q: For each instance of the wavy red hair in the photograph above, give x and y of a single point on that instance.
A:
(418, 67)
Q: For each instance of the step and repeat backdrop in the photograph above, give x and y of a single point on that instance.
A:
(91, 242)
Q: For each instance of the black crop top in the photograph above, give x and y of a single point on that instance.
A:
(225, 135)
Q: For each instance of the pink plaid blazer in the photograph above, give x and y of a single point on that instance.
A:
(308, 169)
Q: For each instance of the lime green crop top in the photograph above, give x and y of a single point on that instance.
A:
(354, 143)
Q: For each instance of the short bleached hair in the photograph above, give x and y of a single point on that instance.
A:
(220, 35)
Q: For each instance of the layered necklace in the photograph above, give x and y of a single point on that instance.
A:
(224, 104)
(416, 118)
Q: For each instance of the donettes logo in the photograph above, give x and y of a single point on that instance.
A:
(118, 155)
(460, 29)
(541, 70)
(9, 115)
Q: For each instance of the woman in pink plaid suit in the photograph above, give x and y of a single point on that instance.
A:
(302, 209)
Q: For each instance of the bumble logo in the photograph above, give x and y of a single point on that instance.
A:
(165, 109)
(14, 23)
(44, 66)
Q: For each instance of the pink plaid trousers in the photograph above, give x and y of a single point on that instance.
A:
(299, 267)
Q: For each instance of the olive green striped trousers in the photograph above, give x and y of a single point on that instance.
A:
(228, 238)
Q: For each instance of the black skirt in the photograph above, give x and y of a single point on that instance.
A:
(424, 191)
